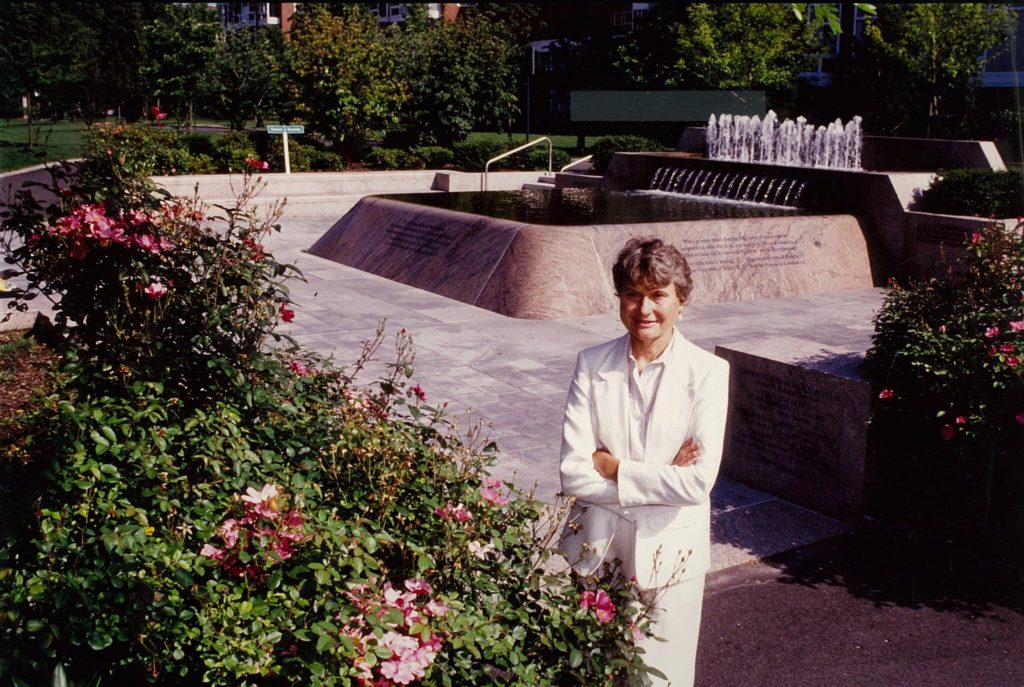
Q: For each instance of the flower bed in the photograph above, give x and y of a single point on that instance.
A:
(949, 419)
(204, 508)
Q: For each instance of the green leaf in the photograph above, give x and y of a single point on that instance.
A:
(575, 658)
(99, 641)
(59, 678)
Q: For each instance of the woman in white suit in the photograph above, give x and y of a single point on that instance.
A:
(641, 445)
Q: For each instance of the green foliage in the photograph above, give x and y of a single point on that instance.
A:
(433, 157)
(342, 72)
(919, 64)
(81, 58)
(716, 46)
(472, 155)
(183, 46)
(191, 507)
(251, 68)
(826, 13)
(604, 148)
(120, 158)
(388, 158)
(978, 192)
(946, 363)
(231, 150)
(461, 75)
(325, 160)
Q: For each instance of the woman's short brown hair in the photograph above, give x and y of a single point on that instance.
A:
(652, 262)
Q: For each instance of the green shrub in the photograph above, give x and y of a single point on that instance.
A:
(190, 506)
(119, 159)
(473, 155)
(947, 364)
(300, 155)
(388, 158)
(232, 150)
(977, 192)
(433, 157)
(537, 158)
(604, 148)
(198, 144)
(326, 160)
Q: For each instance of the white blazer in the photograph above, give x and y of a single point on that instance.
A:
(669, 505)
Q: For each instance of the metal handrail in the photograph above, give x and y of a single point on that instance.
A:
(483, 179)
(574, 163)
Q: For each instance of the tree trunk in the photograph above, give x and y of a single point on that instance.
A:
(28, 118)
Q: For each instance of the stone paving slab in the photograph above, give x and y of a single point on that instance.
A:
(512, 374)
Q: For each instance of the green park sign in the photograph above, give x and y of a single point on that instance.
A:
(286, 129)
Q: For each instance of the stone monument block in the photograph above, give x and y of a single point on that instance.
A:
(797, 428)
(541, 271)
(449, 253)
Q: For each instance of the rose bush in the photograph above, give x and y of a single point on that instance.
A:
(949, 414)
(191, 505)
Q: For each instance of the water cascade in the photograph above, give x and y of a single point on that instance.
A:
(735, 186)
(751, 139)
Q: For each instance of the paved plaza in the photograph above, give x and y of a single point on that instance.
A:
(512, 374)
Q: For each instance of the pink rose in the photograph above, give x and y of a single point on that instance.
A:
(636, 632)
(298, 368)
(1012, 361)
(258, 165)
(948, 432)
(457, 513)
(212, 552)
(976, 238)
(961, 419)
(418, 587)
(1020, 418)
(602, 604)
(1017, 326)
(419, 392)
(489, 492)
(436, 608)
(991, 332)
(287, 314)
(886, 394)
(155, 290)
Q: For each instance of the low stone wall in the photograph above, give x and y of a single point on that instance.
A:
(938, 241)
(548, 272)
(797, 427)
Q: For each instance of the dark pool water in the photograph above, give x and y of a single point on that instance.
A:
(570, 206)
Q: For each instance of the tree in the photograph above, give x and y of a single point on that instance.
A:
(461, 76)
(717, 46)
(921, 63)
(43, 45)
(251, 70)
(182, 43)
(343, 76)
(81, 58)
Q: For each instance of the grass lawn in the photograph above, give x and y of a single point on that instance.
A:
(59, 141)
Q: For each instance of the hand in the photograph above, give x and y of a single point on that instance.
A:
(687, 454)
(606, 464)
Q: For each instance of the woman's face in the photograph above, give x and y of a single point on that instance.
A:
(649, 312)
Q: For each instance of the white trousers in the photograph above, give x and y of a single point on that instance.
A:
(675, 617)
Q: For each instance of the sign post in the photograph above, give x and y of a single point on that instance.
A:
(284, 130)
